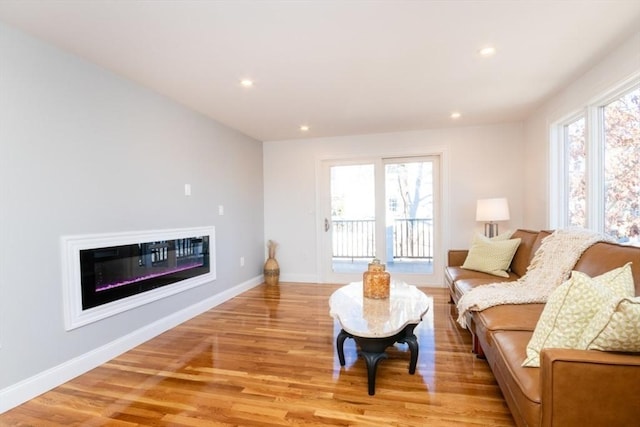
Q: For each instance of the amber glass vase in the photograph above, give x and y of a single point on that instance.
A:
(376, 281)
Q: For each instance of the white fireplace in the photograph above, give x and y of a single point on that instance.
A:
(106, 274)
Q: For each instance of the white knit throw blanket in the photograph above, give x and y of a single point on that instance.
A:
(550, 267)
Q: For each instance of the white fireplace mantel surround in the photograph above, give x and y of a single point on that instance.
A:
(71, 246)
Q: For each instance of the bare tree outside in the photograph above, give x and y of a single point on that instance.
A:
(410, 183)
(576, 173)
(622, 167)
(409, 192)
(620, 151)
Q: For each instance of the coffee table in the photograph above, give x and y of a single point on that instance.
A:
(376, 324)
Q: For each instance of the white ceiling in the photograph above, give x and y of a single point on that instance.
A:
(341, 67)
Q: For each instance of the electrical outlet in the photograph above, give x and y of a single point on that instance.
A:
(241, 261)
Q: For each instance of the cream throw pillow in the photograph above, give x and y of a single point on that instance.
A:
(571, 307)
(491, 256)
(616, 327)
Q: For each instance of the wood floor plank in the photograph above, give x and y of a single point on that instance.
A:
(267, 358)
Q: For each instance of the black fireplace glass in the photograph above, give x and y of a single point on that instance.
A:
(112, 273)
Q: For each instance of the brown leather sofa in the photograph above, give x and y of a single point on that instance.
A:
(571, 387)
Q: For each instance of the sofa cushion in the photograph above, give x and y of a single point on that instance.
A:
(543, 234)
(570, 308)
(523, 255)
(604, 256)
(511, 345)
(455, 274)
(520, 386)
(509, 317)
(616, 327)
(465, 285)
(462, 286)
(491, 256)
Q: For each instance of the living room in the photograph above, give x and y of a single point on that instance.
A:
(86, 151)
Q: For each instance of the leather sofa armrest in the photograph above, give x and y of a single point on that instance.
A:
(589, 387)
(456, 257)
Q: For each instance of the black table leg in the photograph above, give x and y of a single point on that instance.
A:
(412, 341)
(342, 336)
(372, 360)
(373, 351)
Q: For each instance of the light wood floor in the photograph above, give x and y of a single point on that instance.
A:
(267, 358)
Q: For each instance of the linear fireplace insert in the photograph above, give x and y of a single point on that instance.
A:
(110, 273)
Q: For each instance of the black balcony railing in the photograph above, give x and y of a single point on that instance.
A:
(354, 238)
(412, 238)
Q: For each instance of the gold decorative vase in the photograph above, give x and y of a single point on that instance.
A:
(376, 281)
(271, 267)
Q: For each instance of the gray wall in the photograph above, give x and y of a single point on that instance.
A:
(85, 151)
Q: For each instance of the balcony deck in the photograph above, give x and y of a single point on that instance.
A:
(342, 265)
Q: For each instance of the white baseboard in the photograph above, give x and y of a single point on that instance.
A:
(29, 388)
(300, 278)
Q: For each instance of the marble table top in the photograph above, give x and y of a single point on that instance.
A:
(378, 318)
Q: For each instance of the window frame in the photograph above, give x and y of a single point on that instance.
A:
(593, 114)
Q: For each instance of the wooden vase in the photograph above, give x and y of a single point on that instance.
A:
(271, 267)
(271, 271)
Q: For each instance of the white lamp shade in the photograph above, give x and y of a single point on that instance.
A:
(492, 210)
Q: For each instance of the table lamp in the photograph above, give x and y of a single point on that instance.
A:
(492, 210)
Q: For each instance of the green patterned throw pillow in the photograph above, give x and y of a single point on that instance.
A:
(616, 327)
(571, 307)
(491, 256)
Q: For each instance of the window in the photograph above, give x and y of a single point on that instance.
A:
(599, 167)
(576, 173)
(621, 140)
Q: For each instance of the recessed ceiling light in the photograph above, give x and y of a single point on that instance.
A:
(304, 128)
(487, 51)
(455, 115)
(246, 83)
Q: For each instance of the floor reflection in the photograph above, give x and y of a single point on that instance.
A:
(271, 295)
(268, 357)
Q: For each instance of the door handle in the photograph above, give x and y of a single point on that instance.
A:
(327, 226)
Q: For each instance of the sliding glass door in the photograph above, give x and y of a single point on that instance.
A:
(409, 197)
(380, 208)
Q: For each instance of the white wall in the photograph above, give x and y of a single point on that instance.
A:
(479, 162)
(85, 151)
(617, 67)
